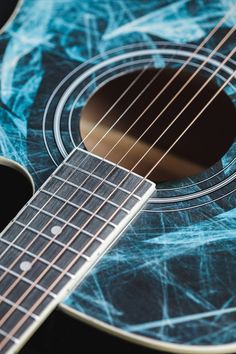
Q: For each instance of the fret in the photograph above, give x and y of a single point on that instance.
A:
(62, 238)
(67, 183)
(106, 211)
(32, 217)
(68, 211)
(114, 177)
(61, 233)
(102, 169)
(92, 184)
(14, 317)
(112, 173)
(39, 220)
(38, 268)
(77, 243)
(92, 248)
(107, 194)
(52, 250)
(9, 272)
(103, 177)
(62, 215)
(79, 179)
(53, 204)
(4, 334)
(19, 235)
(77, 221)
(11, 341)
(77, 198)
(28, 252)
(20, 308)
(103, 214)
(18, 289)
(58, 186)
(119, 196)
(80, 158)
(13, 259)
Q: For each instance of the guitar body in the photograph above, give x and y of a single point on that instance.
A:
(169, 282)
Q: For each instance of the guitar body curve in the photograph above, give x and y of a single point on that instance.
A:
(169, 283)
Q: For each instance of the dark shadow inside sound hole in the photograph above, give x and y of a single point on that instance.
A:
(202, 145)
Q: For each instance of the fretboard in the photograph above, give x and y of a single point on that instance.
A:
(59, 235)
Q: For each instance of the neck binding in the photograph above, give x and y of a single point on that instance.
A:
(56, 239)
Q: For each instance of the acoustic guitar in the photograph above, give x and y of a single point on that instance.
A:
(117, 143)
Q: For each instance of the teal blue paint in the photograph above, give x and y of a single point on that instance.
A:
(172, 275)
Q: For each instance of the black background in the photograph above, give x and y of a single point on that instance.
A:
(61, 333)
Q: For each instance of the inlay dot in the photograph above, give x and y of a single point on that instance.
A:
(56, 230)
(25, 266)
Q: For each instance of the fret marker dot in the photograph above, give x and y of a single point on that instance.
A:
(25, 266)
(56, 230)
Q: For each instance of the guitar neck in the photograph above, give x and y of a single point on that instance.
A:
(59, 235)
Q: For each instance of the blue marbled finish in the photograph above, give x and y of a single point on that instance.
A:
(172, 275)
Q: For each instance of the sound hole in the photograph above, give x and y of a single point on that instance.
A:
(6, 11)
(15, 189)
(200, 147)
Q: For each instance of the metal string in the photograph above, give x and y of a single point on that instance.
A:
(163, 157)
(71, 264)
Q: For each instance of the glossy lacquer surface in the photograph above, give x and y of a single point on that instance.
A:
(172, 275)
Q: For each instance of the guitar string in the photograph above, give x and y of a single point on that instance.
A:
(132, 83)
(199, 47)
(168, 83)
(173, 121)
(140, 74)
(129, 106)
(112, 106)
(45, 226)
(135, 80)
(153, 101)
(139, 95)
(12, 242)
(39, 301)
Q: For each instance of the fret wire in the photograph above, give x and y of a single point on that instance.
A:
(28, 281)
(72, 204)
(70, 265)
(43, 260)
(103, 189)
(56, 240)
(12, 338)
(94, 194)
(37, 193)
(55, 282)
(63, 221)
(49, 238)
(115, 166)
(6, 335)
(100, 179)
(18, 307)
(83, 209)
(57, 218)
